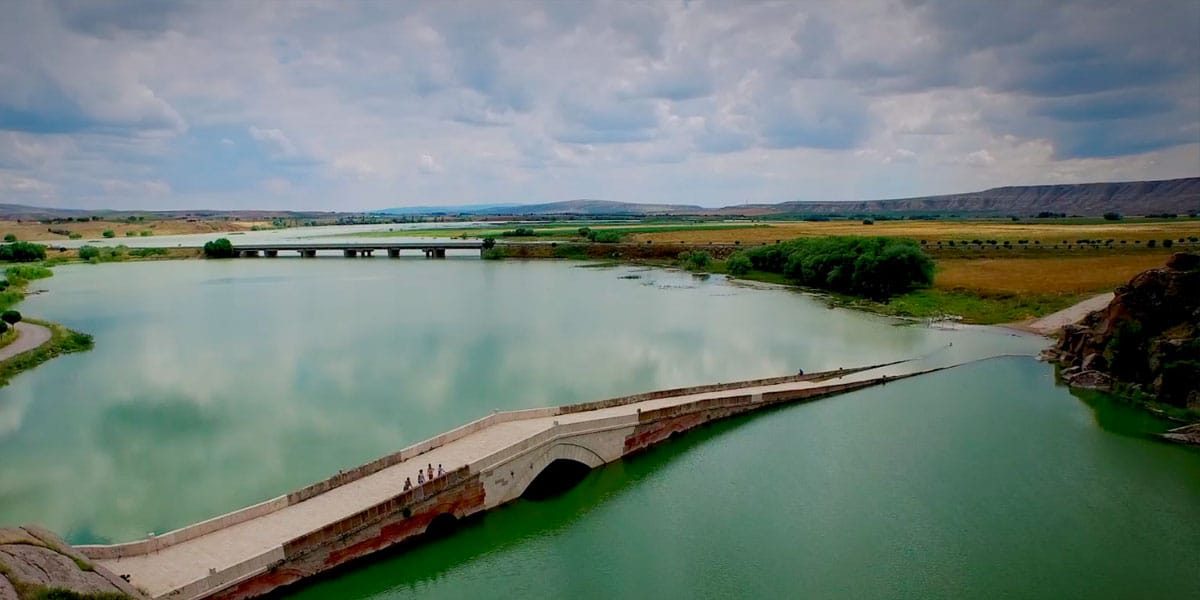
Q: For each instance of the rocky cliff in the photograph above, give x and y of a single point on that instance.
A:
(35, 564)
(1147, 340)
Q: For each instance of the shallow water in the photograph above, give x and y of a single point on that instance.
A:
(216, 384)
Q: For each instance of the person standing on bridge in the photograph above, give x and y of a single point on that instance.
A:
(407, 483)
(420, 477)
(430, 471)
(441, 471)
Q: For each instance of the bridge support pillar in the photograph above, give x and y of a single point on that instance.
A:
(249, 252)
(394, 252)
(439, 252)
(349, 253)
(307, 253)
(271, 253)
(428, 252)
(365, 253)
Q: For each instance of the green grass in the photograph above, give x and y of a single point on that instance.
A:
(19, 274)
(62, 341)
(982, 309)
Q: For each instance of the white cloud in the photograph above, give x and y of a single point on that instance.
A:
(696, 102)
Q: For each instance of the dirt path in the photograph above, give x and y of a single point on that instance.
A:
(1049, 324)
(29, 336)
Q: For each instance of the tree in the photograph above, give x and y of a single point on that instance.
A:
(11, 317)
(219, 248)
(88, 252)
(22, 252)
(738, 264)
(3, 327)
(1112, 216)
(109, 233)
(10, 237)
(489, 243)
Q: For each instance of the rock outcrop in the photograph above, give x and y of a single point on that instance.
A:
(1147, 339)
(34, 561)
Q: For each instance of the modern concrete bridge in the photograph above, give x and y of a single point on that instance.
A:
(431, 248)
(488, 462)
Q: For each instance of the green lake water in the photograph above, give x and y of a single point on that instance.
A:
(215, 384)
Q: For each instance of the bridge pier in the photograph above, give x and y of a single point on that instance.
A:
(393, 253)
(348, 253)
(307, 253)
(365, 253)
(249, 253)
(270, 253)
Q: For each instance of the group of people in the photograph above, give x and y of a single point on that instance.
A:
(422, 477)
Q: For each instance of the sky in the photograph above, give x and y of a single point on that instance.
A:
(365, 105)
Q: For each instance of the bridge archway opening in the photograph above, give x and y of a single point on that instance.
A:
(441, 526)
(556, 478)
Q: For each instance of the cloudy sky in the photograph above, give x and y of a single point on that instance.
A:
(359, 105)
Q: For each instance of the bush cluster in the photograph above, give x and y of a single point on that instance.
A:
(22, 252)
(874, 267)
(219, 248)
(698, 260)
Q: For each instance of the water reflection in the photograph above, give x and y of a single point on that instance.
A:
(215, 384)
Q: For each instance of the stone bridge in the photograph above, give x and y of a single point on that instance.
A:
(488, 462)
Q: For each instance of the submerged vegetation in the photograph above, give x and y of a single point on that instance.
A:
(872, 267)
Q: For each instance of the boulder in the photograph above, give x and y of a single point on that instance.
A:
(1148, 336)
(33, 558)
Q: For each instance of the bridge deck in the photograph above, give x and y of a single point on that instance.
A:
(167, 569)
(381, 245)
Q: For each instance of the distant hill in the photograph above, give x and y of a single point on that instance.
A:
(595, 208)
(1176, 196)
(454, 209)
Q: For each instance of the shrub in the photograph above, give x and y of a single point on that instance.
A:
(695, 261)
(585, 232)
(489, 243)
(520, 232)
(219, 248)
(494, 254)
(1151, 243)
(108, 233)
(88, 252)
(10, 237)
(1112, 216)
(146, 233)
(874, 267)
(145, 252)
(3, 327)
(22, 252)
(738, 264)
(868, 222)
(1168, 243)
(605, 236)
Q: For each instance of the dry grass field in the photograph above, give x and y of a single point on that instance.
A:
(1056, 275)
(939, 231)
(35, 231)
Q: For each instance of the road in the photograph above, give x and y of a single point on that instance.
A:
(29, 336)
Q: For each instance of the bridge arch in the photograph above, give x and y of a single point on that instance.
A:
(555, 470)
(441, 526)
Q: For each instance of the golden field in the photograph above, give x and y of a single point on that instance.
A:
(1051, 275)
(939, 231)
(36, 231)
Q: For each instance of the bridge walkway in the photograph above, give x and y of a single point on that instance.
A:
(164, 570)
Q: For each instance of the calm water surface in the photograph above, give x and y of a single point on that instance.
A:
(215, 384)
